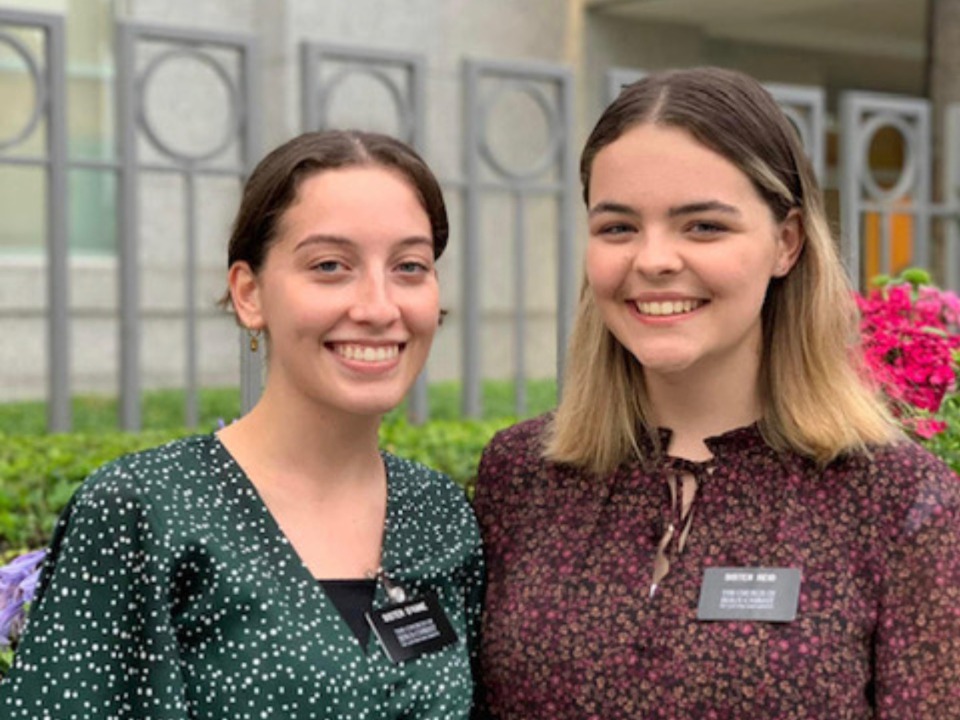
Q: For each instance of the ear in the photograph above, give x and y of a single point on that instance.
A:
(790, 239)
(245, 295)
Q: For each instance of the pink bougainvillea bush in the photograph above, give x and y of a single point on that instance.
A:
(911, 334)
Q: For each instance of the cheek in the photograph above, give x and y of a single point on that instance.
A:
(605, 268)
(422, 309)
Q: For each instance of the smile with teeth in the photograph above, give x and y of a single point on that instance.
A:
(367, 353)
(668, 307)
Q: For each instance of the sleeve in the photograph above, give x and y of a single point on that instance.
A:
(917, 644)
(99, 641)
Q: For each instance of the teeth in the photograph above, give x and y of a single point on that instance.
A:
(368, 353)
(668, 307)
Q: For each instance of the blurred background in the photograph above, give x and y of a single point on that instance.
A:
(127, 127)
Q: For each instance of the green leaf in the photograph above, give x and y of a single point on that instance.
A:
(916, 277)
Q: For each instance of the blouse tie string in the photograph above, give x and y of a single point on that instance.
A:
(679, 515)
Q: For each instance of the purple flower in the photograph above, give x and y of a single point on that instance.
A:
(18, 582)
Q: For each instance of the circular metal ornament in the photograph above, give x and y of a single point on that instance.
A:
(40, 94)
(554, 139)
(908, 173)
(231, 127)
(404, 111)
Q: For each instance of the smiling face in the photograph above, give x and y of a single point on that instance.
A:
(681, 251)
(348, 292)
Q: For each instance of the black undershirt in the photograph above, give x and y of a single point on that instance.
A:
(353, 599)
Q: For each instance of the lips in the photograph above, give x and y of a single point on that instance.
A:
(358, 352)
(668, 307)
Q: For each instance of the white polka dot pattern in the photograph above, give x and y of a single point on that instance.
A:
(170, 592)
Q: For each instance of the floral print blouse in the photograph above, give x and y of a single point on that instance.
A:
(170, 592)
(571, 630)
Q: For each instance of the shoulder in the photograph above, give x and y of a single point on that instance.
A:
(414, 476)
(122, 509)
(904, 479)
(513, 474)
(519, 445)
(413, 484)
(148, 475)
(897, 466)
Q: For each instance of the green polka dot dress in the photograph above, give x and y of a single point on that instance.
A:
(170, 592)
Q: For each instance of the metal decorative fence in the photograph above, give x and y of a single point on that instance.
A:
(550, 87)
(805, 107)
(47, 74)
(951, 196)
(241, 133)
(863, 115)
(526, 191)
(324, 69)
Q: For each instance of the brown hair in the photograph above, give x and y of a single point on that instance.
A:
(814, 399)
(273, 185)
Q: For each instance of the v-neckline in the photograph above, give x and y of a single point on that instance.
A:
(330, 613)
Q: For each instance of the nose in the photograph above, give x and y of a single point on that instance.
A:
(656, 254)
(374, 303)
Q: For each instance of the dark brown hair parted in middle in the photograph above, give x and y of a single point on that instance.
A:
(273, 185)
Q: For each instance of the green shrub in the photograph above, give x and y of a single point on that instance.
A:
(946, 444)
(453, 447)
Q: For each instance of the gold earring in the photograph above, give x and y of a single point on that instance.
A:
(254, 334)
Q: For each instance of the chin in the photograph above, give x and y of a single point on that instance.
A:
(665, 366)
(379, 405)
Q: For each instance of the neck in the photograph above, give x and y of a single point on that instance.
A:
(293, 438)
(696, 405)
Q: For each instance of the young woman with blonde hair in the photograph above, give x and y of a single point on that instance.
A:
(720, 520)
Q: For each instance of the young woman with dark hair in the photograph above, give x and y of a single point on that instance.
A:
(238, 575)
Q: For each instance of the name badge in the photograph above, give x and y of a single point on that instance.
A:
(409, 629)
(760, 594)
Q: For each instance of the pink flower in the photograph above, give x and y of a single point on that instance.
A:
(909, 338)
(927, 427)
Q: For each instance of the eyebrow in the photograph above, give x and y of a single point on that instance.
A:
(611, 207)
(347, 242)
(688, 209)
(705, 206)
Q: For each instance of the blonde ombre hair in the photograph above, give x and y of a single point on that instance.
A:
(815, 401)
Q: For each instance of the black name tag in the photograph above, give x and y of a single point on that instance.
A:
(412, 628)
(763, 594)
